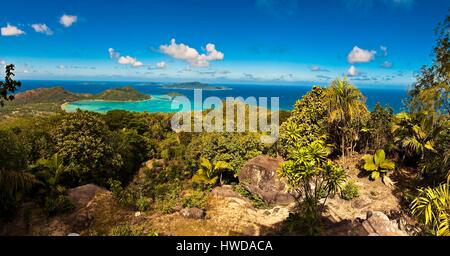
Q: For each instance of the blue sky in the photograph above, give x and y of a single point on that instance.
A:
(235, 41)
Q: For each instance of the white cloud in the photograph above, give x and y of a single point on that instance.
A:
(10, 30)
(68, 20)
(61, 67)
(191, 55)
(2, 62)
(387, 64)
(128, 60)
(124, 60)
(352, 71)
(358, 55)
(161, 65)
(42, 28)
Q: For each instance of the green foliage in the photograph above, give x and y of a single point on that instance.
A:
(168, 198)
(423, 139)
(195, 198)
(127, 197)
(377, 164)
(432, 208)
(299, 223)
(119, 119)
(129, 230)
(210, 174)
(309, 165)
(346, 112)
(256, 200)
(132, 150)
(307, 122)
(233, 148)
(57, 205)
(376, 133)
(431, 90)
(122, 94)
(14, 181)
(84, 143)
(349, 191)
(415, 133)
(9, 86)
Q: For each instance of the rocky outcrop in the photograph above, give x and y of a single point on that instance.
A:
(192, 213)
(82, 195)
(259, 176)
(378, 224)
(374, 224)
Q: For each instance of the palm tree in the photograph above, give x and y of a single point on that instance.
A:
(209, 173)
(415, 133)
(346, 104)
(432, 207)
(14, 182)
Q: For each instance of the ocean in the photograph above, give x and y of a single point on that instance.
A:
(288, 94)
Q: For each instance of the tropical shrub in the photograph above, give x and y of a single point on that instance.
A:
(432, 208)
(195, 198)
(57, 205)
(309, 165)
(210, 174)
(376, 133)
(14, 181)
(346, 108)
(377, 164)
(349, 191)
(307, 122)
(256, 200)
(85, 145)
(432, 86)
(129, 230)
(233, 148)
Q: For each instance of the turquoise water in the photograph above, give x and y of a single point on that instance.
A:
(158, 103)
(288, 94)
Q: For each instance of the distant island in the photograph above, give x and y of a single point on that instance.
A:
(48, 100)
(122, 94)
(174, 94)
(194, 85)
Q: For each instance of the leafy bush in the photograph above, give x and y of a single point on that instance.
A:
(128, 230)
(377, 164)
(233, 148)
(256, 200)
(376, 133)
(209, 174)
(307, 122)
(58, 205)
(349, 191)
(167, 196)
(84, 143)
(198, 199)
(309, 165)
(169, 202)
(301, 224)
(432, 208)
